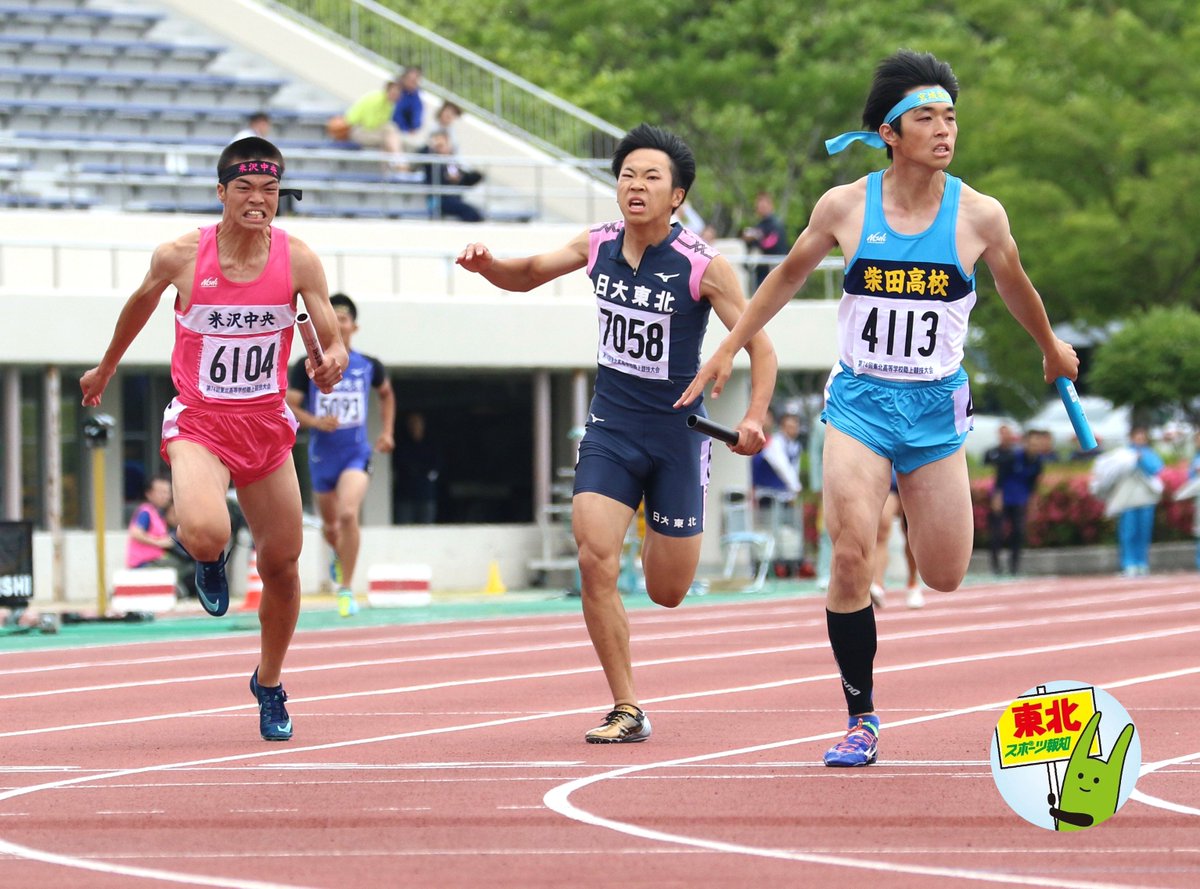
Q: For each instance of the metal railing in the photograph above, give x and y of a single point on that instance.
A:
(54, 254)
(123, 171)
(496, 95)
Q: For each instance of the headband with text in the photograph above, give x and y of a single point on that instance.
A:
(909, 102)
(257, 168)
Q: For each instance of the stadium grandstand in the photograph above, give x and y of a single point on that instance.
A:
(112, 115)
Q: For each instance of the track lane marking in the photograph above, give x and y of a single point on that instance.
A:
(558, 799)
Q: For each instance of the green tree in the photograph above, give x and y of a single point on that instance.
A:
(1152, 364)
(1078, 115)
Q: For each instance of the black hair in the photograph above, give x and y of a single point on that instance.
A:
(899, 74)
(683, 162)
(252, 148)
(343, 301)
(258, 115)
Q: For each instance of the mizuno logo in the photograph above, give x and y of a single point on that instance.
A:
(595, 419)
(877, 238)
(209, 282)
(850, 688)
(665, 277)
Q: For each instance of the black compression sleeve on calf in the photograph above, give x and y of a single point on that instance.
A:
(853, 639)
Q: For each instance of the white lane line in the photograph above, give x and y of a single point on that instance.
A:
(11, 848)
(416, 659)
(706, 614)
(558, 799)
(999, 598)
(689, 659)
(1157, 802)
(920, 633)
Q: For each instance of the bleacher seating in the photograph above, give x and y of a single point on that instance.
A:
(75, 21)
(129, 55)
(95, 111)
(105, 85)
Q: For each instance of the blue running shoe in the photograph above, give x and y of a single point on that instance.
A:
(859, 747)
(273, 721)
(212, 586)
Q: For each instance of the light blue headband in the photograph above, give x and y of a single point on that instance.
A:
(909, 102)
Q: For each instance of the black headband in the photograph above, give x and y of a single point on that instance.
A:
(257, 168)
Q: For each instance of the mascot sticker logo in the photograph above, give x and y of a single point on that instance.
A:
(1065, 755)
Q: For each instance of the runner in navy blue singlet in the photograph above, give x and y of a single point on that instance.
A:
(655, 284)
(898, 398)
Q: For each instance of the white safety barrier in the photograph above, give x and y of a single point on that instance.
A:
(391, 585)
(144, 589)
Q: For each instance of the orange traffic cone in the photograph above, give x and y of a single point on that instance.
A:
(253, 585)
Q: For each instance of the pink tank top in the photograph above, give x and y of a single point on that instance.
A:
(233, 343)
(138, 553)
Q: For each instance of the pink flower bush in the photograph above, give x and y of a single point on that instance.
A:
(1063, 512)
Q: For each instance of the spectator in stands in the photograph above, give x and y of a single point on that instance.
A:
(448, 172)
(257, 124)
(1133, 501)
(418, 466)
(409, 110)
(447, 116)
(1018, 470)
(150, 544)
(767, 236)
(775, 475)
(371, 124)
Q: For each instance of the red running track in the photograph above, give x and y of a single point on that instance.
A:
(451, 754)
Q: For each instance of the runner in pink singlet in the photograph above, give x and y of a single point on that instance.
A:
(230, 363)
(235, 308)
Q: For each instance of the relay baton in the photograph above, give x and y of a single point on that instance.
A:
(707, 427)
(308, 333)
(1070, 400)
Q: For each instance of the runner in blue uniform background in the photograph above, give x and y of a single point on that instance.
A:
(339, 450)
(655, 284)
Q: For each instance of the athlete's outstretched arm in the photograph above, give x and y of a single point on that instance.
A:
(527, 272)
(166, 263)
(308, 277)
(720, 287)
(1020, 296)
(773, 294)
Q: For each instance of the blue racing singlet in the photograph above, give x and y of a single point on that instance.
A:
(348, 400)
(906, 298)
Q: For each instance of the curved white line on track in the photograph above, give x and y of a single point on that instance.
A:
(7, 847)
(1158, 802)
(558, 800)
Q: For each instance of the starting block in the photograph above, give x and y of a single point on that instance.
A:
(144, 589)
(389, 586)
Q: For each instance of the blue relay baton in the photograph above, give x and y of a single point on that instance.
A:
(1070, 400)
